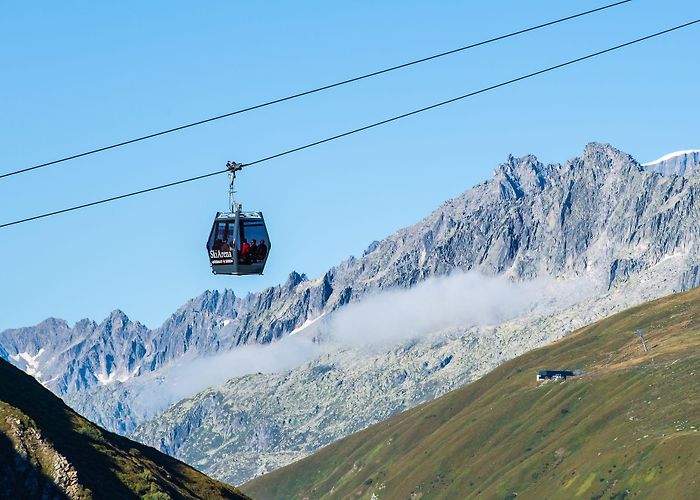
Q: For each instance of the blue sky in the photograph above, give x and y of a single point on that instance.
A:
(78, 75)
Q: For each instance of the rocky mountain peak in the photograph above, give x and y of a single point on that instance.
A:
(85, 324)
(213, 301)
(53, 323)
(604, 158)
(294, 279)
(370, 248)
(117, 319)
(117, 323)
(519, 176)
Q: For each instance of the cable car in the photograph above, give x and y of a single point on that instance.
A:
(238, 242)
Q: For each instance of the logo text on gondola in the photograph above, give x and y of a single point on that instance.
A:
(218, 254)
(220, 257)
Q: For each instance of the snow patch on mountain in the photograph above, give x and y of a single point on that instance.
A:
(305, 325)
(669, 156)
(115, 376)
(106, 379)
(31, 361)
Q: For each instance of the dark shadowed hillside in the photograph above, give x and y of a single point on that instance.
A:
(628, 427)
(49, 451)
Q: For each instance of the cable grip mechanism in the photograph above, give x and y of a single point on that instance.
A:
(232, 168)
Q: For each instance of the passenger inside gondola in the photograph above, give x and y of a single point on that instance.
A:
(262, 250)
(253, 252)
(244, 256)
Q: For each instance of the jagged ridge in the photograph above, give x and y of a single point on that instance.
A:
(601, 215)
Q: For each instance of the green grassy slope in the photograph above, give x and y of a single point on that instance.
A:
(627, 428)
(37, 429)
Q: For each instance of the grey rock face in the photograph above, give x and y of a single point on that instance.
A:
(72, 359)
(256, 423)
(601, 215)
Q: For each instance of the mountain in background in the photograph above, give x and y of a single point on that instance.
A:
(601, 215)
(49, 451)
(631, 234)
(602, 218)
(627, 426)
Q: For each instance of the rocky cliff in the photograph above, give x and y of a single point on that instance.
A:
(601, 214)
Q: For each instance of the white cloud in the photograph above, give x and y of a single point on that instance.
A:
(459, 300)
(377, 321)
(190, 375)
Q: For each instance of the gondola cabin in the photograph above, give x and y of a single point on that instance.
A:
(238, 243)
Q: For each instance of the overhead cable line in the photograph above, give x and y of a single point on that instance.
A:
(311, 91)
(360, 129)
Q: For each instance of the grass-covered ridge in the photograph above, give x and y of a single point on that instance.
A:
(47, 450)
(628, 427)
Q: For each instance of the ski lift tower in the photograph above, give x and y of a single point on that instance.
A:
(640, 333)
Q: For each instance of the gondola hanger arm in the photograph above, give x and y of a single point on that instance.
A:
(233, 167)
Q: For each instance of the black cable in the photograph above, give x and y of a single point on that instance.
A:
(366, 127)
(114, 198)
(481, 91)
(312, 91)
